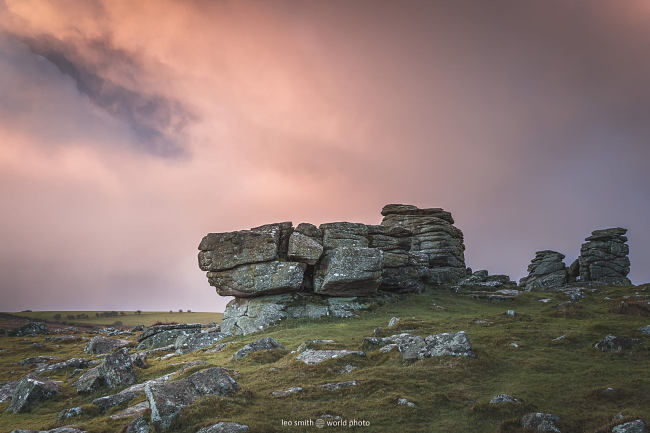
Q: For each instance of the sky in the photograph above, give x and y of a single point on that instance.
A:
(128, 130)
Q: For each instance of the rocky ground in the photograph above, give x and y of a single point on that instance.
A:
(480, 356)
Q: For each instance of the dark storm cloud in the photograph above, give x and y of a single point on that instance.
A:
(156, 121)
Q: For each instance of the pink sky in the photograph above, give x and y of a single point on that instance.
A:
(128, 130)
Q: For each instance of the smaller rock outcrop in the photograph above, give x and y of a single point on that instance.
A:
(546, 271)
(30, 391)
(604, 257)
(167, 399)
(31, 328)
(165, 335)
(503, 398)
(313, 357)
(482, 280)
(414, 347)
(636, 426)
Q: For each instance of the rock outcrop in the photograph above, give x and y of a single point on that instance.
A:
(31, 328)
(31, 390)
(546, 271)
(277, 272)
(604, 257)
(99, 344)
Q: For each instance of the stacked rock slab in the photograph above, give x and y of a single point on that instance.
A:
(546, 271)
(276, 272)
(433, 238)
(604, 257)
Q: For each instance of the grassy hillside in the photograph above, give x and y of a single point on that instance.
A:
(515, 355)
(128, 318)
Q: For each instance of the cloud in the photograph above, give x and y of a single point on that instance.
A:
(128, 130)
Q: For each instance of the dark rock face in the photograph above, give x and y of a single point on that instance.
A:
(31, 328)
(167, 399)
(30, 391)
(224, 427)
(265, 343)
(604, 257)
(546, 271)
(99, 344)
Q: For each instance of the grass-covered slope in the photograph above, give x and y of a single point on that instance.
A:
(515, 355)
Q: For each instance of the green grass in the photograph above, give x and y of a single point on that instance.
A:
(129, 318)
(566, 377)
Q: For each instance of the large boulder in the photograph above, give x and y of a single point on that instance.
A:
(222, 251)
(264, 343)
(349, 271)
(434, 235)
(99, 344)
(115, 370)
(31, 328)
(546, 271)
(30, 391)
(167, 399)
(259, 279)
(604, 257)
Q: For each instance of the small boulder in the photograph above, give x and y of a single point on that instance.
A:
(636, 426)
(167, 399)
(542, 422)
(286, 392)
(69, 413)
(117, 369)
(503, 398)
(265, 343)
(136, 409)
(30, 391)
(449, 343)
(339, 385)
(224, 427)
(612, 343)
(405, 402)
(393, 321)
(313, 357)
(644, 330)
(100, 344)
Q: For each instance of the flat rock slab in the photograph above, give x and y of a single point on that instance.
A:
(30, 391)
(136, 409)
(224, 427)
(288, 391)
(313, 357)
(265, 343)
(167, 399)
(339, 385)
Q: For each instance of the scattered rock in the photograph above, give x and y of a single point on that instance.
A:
(405, 402)
(37, 360)
(604, 257)
(636, 426)
(545, 300)
(99, 344)
(393, 321)
(574, 293)
(286, 392)
(481, 280)
(139, 360)
(161, 336)
(542, 422)
(31, 390)
(69, 413)
(139, 328)
(546, 271)
(224, 427)
(265, 343)
(510, 313)
(7, 389)
(167, 399)
(644, 329)
(455, 344)
(339, 385)
(503, 398)
(115, 370)
(413, 347)
(310, 344)
(612, 343)
(313, 357)
(31, 328)
(218, 347)
(70, 363)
